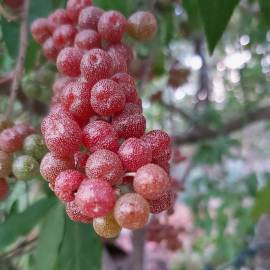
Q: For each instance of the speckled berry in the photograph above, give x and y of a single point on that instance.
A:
(107, 98)
(5, 164)
(68, 61)
(74, 8)
(163, 203)
(24, 129)
(96, 65)
(123, 78)
(151, 181)
(67, 184)
(25, 167)
(95, 198)
(4, 188)
(105, 165)
(64, 35)
(57, 18)
(34, 146)
(106, 226)
(122, 49)
(119, 63)
(87, 39)
(131, 211)
(89, 17)
(112, 25)
(100, 135)
(142, 26)
(40, 30)
(10, 140)
(49, 49)
(134, 153)
(51, 166)
(75, 214)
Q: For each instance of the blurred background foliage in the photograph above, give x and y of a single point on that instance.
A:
(205, 80)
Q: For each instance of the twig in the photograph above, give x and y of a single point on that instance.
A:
(9, 17)
(21, 58)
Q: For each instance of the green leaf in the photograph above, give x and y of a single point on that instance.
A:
(192, 10)
(215, 15)
(262, 201)
(50, 238)
(81, 248)
(22, 223)
(39, 8)
(265, 10)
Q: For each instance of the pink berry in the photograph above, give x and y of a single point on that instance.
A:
(23, 129)
(123, 78)
(40, 30)
(112, 25)
(74, 8)
(96, 65)
(4, 188)
(89, 17)
(163, 163)
(10, 140)
(159, 141)
(130, 122)
(63, 135)
(119, 63)
(49, 49)
(107, 98)
(151, 181)
(163, 203)
(80, 159)
(75, 214)
(134, 153)
(51, 166)
(87, 40)
(105, 165)
(57, 18)
(76, 99)
(131, 211)
(95, 198)
(100, 135)
(67, 184)
(60, 83)
(130, 92)
(123, 49)
(68, 61)
(64, 35)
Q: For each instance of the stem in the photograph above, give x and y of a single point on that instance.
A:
(132, 174)
(137, 257)
(21, 58)
(9, 17)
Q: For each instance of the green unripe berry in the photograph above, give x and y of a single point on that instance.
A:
(34, 146)
(25, 168)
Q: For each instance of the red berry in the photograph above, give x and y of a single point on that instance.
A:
(67, 184)
(130, 122)
(10, 140)
(151, 181)
(87, 40)
(89, 17)
(24, 129)
(57, 18)
(96, 65)
(3, 188)
(112, 25)
(74, 8)
(51, 166)
(95, 198)
(64, 35)
(62, 136)
(119, 63)
(60, 83)
(142, 26)
(123, 49)
(49, 49)
(80, 159)
(159, 141)
(131, 211)
(75, 214)
(105, 165)
(40, 30)
(163, 163)
(107, 98)
(123, 78)
(68, 61)
(76, 99)
(134, 153)
(163, 203)
(14, 4)
(100, 135)
(130, 92)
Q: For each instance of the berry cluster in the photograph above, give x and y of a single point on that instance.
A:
(20, 151)
(95, 129)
